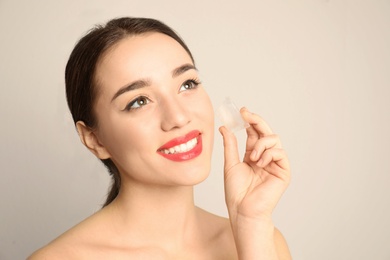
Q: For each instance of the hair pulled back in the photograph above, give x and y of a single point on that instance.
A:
(80, 80)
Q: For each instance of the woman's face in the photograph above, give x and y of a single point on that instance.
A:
(155, 120)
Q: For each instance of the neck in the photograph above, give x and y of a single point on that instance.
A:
(152, 214)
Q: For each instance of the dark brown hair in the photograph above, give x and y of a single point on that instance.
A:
(80, 72)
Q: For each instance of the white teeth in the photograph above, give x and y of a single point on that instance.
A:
(182, 148)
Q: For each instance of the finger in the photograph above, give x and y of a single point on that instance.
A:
(275, 155)
(257, 125)
(263, 144)
(253, 137)
(230, 148)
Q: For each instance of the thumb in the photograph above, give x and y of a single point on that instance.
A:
(230, 148)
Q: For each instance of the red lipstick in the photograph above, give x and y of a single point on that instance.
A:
(182, 148)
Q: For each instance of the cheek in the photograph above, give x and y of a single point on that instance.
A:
(206, 110)
(124, 135)
(206, 115)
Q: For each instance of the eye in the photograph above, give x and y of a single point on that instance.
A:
(137, 103)
(189, 84)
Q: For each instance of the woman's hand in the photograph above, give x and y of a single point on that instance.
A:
(254, 186)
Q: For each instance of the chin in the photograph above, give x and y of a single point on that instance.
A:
(191, 175)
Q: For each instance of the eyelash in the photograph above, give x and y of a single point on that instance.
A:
(192, 83)
(137, 100)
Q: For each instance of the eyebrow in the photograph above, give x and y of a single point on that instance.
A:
(145, 83)
(183, 68)
(133, 86)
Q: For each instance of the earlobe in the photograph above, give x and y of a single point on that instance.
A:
(91, 141)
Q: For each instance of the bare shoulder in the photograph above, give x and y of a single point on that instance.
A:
(60, 248)
(281, 246)
(222, 238)
(217, 225)
(51, 251)
(72, 243)
(220, 235)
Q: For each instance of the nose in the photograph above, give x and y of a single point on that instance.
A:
(174, 114)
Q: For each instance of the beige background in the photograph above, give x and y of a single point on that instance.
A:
(317, 70)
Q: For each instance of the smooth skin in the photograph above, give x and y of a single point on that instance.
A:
(253, 187)
(154, 215)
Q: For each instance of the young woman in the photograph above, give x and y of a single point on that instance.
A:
(138, 104)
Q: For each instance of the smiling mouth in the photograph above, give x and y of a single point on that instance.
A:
(183, 148)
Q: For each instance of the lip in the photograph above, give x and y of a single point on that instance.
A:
(179, 157)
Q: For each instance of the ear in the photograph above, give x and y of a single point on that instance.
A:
(91, 141)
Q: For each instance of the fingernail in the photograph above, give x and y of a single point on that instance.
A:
(253, 154)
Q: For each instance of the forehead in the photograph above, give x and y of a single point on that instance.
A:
(141, 56)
